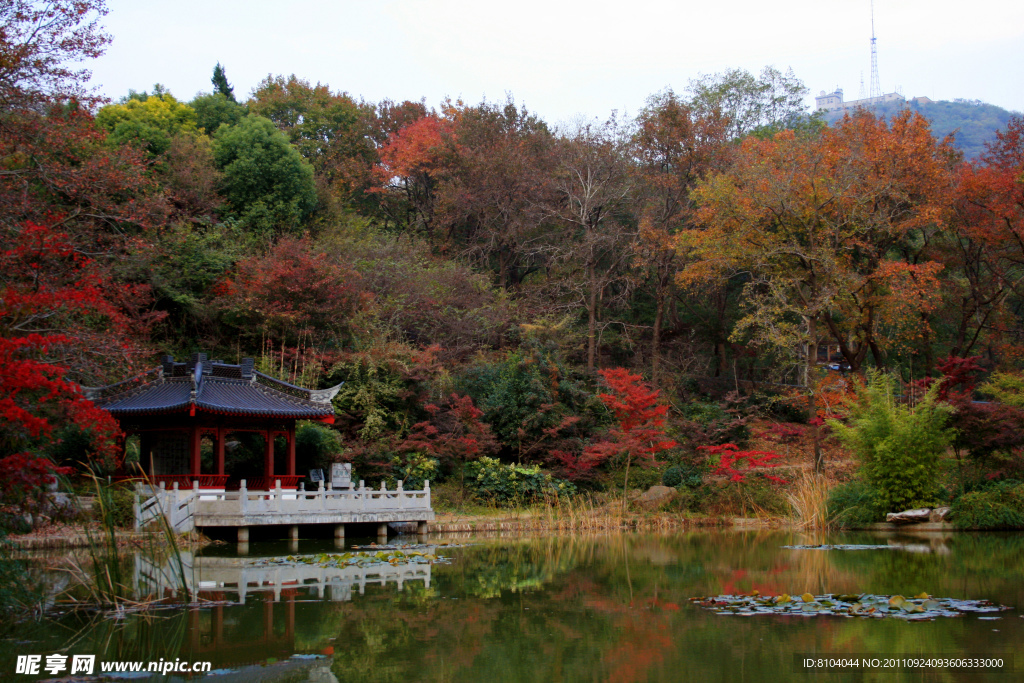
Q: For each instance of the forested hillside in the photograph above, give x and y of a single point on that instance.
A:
(972, 123)
(468, 270)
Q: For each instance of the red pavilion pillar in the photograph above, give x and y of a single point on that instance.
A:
(268, 459)
(291, 449)
(220, 450)
(194, 439)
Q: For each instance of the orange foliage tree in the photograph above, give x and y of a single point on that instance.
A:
(824, 229)
(988, 245)
(410, 163)
(675, 147)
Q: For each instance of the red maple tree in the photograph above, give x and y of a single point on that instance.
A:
(294, 296)
(736, 464)
(454, 433)
(639, 434)
(53, 302)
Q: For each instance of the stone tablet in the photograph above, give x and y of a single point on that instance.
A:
(341, 475)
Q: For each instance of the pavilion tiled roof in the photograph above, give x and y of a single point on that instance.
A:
(202, 385)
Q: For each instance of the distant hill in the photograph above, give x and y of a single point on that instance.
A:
(975, 122)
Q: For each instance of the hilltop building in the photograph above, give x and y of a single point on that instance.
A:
(833, 101)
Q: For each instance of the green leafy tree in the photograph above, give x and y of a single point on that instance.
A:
(149, 122)
(1005, 387)
(214, 110)
(330, 129)
(773, 100)
(384, 391)
(899, 446)
(533, 403)
(267, 184)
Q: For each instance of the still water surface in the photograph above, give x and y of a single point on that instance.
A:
(602, 608)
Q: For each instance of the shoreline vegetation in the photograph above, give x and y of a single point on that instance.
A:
(582, 516)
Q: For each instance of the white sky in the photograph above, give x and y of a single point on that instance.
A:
(564, 58)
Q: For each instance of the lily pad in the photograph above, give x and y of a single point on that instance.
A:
(842, 546)
(849, 605)
(388, 555)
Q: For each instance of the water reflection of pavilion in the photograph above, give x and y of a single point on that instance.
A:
(234, 631)
(233, 578)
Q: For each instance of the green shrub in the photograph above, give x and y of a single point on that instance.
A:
(491, 480)
(673, 476)
(854, 504)
(640, 478)
(688, 474)
(899, 447)
(1001, 506)
(532, 400)
(412, 469)
(782, 407)
(693, 473)
(1005, 387)
(13, 523)
(316, 447)
(116, 505)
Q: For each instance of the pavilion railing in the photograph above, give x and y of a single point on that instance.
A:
(219, 481)
(288, 481)
(324, 499)
(178, 506)
(187, 481)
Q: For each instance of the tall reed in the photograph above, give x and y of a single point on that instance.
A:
(808, 498)
(111, 581)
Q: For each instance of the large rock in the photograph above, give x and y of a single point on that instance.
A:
(939, 514)
(909, 516)
(656, 495)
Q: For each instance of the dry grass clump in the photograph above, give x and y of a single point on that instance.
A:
(808, 497)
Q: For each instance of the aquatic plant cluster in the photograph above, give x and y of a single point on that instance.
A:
(845, 546)
(386, 555)
(922, 606)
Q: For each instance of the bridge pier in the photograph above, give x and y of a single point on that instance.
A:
(382, 532)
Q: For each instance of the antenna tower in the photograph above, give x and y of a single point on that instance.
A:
(876, 88)
(863, 93)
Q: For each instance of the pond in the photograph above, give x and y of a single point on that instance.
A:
(559, 608)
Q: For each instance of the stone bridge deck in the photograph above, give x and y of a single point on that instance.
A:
(203, 508)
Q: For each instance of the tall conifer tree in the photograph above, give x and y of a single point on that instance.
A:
(220, 83)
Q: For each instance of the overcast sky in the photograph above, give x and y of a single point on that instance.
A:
(564, 58)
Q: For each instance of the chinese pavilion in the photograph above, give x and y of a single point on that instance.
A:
(173, 407)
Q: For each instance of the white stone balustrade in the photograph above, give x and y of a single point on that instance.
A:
(190, 508)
